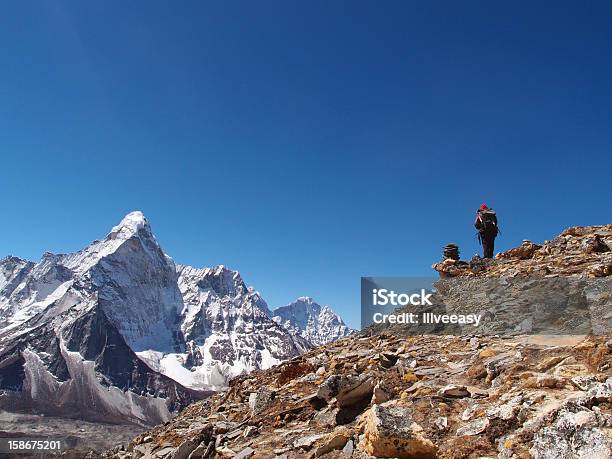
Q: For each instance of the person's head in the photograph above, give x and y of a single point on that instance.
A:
(483, 206)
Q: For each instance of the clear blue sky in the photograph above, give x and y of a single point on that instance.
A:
(308, 144)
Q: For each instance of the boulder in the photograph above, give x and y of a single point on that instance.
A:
(348, 448)
(570, 371)
(335, 440)
(166, 451)
(575, 433)
(307, 441)
(223, 427)
(203, 451)
(184, 449)
(224, 452)
(454, 391)
(599, 393)
(545, 381)
(380, 395)
(469, 412)
(387, 360)
(584, 382)
(524, 252)
(505, 412)
(476, 427)
(347, 389)
(245, 453)
(391, 432)
(441, 423)
(260, 400)
(327, 417)
(476, 392)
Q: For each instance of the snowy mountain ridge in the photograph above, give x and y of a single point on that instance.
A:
(117, 330)
(317, 324)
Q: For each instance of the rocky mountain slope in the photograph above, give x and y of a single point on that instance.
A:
(117, 332)
(315, 323)
(382, 394)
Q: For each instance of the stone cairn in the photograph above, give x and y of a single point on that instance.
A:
(451, 251)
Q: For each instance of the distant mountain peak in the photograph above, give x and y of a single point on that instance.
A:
(10, 259)
(305, 299)
(315, 323)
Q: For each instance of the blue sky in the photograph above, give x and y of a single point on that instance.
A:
(308, 144)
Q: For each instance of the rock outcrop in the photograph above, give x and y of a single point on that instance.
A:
(580, 250)
(563, 286)
(391, 432)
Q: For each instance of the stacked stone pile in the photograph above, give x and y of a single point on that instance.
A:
(451, 251)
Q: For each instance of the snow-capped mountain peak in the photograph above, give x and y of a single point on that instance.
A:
(315, 323)
(132, 224)
(306, 300)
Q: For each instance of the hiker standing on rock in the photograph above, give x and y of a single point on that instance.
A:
(486, 224)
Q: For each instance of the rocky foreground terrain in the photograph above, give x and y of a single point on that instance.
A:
(384, 394)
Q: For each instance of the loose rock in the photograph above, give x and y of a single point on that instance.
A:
(391, 432)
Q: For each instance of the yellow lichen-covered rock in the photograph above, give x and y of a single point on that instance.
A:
(524, 252)
(486, 353)
(391, 432)
(410, 377)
